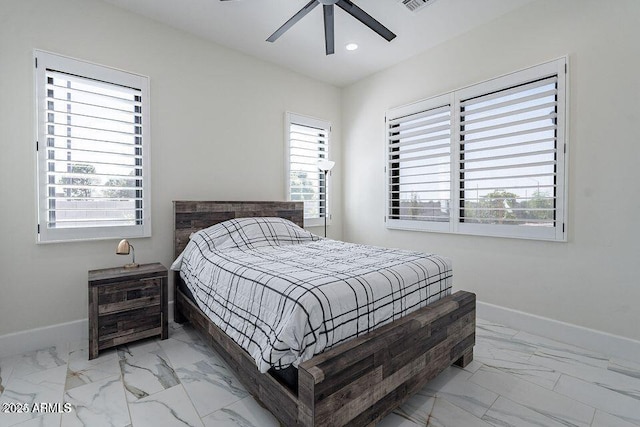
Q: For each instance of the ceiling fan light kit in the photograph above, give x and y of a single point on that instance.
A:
(328, 12)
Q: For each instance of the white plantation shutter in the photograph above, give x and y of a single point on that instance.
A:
(419, 164)
(508, 155)
(508, 158)
(307, 143)
(92, 151)
(511, 160)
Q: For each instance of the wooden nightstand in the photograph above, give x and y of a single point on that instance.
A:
(126, 304)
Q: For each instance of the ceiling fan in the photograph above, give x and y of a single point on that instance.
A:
(327, 5)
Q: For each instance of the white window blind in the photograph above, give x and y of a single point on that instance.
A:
(507, 158)
(92, 154)
(419, 164)
(307, 143)
(508, 155)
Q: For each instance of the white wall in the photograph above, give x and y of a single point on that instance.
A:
(216, 133)
(201, 95)
(594, 279)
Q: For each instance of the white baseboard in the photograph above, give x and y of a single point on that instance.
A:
(39, 338)
(36, 339)
(590, 339)
(602, 342)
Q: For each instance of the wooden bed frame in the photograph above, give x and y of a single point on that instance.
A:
(356, 383)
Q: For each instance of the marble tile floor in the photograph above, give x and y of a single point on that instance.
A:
(516, 379)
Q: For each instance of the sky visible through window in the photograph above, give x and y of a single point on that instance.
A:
(307, 145)
(507, 159)
(94, 157)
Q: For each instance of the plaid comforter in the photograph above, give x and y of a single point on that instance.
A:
(284, 294)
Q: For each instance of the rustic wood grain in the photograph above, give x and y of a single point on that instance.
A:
(277, 398)
(93, 322)
(356, 383)
(367, 387)
(126, 305)
(191, 216)
(397, 369)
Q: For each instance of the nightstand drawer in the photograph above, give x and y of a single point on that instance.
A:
(129, 296)
(128, 326)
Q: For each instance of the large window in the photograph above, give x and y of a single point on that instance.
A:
(92, 151)
(307, 142)
(488, 159)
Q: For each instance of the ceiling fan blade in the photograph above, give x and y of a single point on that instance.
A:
(366, 19)
(295, 18)
(328, 29)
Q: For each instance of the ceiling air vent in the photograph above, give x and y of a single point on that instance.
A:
(416, 5)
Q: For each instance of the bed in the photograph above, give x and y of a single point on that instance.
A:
(356, 382)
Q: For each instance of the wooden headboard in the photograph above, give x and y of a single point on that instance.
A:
(191, 216)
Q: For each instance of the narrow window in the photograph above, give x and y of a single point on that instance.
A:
(307, 142)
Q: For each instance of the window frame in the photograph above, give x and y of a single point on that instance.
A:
(396, 113)
(46, 60)
(559, 231)
(299, 119)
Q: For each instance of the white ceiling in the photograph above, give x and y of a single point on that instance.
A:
(245, 24)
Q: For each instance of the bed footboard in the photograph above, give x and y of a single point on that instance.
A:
(361, 381)
(358, 382)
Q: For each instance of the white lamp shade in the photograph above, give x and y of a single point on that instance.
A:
(325, 165)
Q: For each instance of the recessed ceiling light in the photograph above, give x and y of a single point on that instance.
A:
(351, 46)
